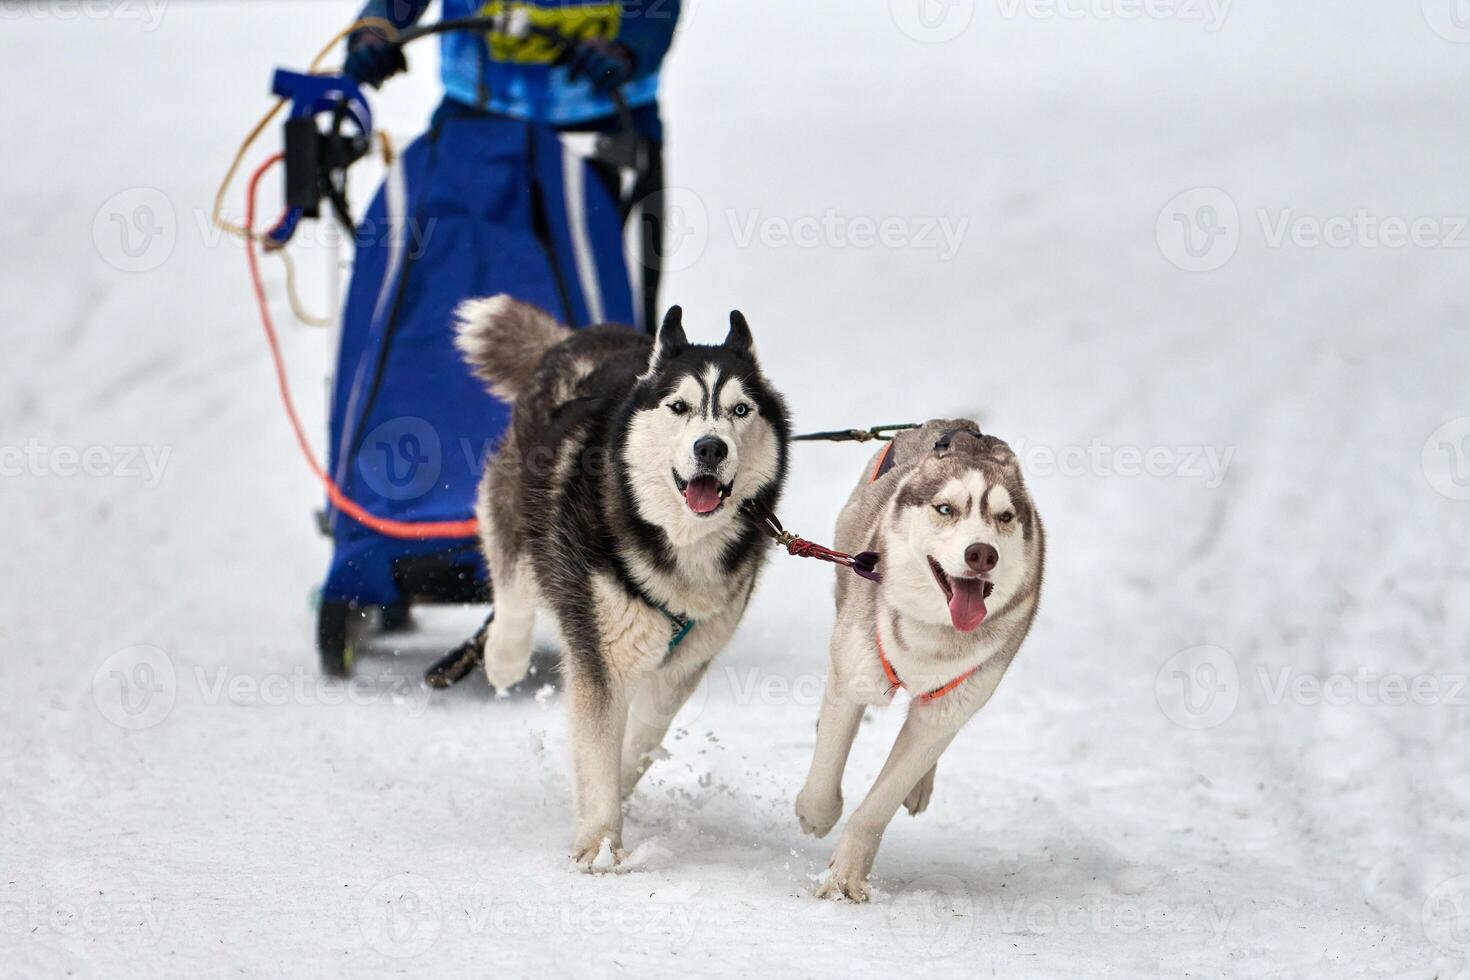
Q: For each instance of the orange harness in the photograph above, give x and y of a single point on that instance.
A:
(896, 683)
(884, 464)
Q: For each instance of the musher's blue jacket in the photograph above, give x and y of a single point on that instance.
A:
(517, 78)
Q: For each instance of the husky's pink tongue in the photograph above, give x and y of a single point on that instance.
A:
(967, 604)
(703, 494)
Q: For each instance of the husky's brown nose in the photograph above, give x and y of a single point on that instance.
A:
(981, 557)
(710, 451)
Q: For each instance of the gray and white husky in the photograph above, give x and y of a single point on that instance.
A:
(614, 503)
(962, 553)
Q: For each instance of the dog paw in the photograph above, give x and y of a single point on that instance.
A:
(918, 799)
(598, 855)
(846, 876)
(835, 885)
(818, 814)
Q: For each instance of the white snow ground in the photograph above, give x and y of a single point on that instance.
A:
(1128, 805)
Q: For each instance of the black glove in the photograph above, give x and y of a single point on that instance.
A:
(372, 59)
(606, 64)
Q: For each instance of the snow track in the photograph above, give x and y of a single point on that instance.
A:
(1199, 764)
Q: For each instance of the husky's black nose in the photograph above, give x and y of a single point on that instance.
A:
(710, 451)
(981, 557)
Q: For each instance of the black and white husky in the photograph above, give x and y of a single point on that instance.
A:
(614, 503)
(962, 553)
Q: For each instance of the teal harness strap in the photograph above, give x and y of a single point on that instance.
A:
(680, 626)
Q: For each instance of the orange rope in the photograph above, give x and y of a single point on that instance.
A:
(408, 530)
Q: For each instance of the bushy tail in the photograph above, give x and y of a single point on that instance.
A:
(503, 341)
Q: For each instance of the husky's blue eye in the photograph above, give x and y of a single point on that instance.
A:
(944, 509)
(741, 410)
(678, 407)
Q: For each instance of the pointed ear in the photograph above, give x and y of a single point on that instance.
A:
(670, 339)
(739, 339)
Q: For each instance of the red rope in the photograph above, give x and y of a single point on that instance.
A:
(802, 548)
(407, 530)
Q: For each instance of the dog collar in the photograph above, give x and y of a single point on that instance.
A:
(679, 626)
(885, 463)
(895, 682)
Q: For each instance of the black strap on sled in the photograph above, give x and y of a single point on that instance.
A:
(457, 664)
